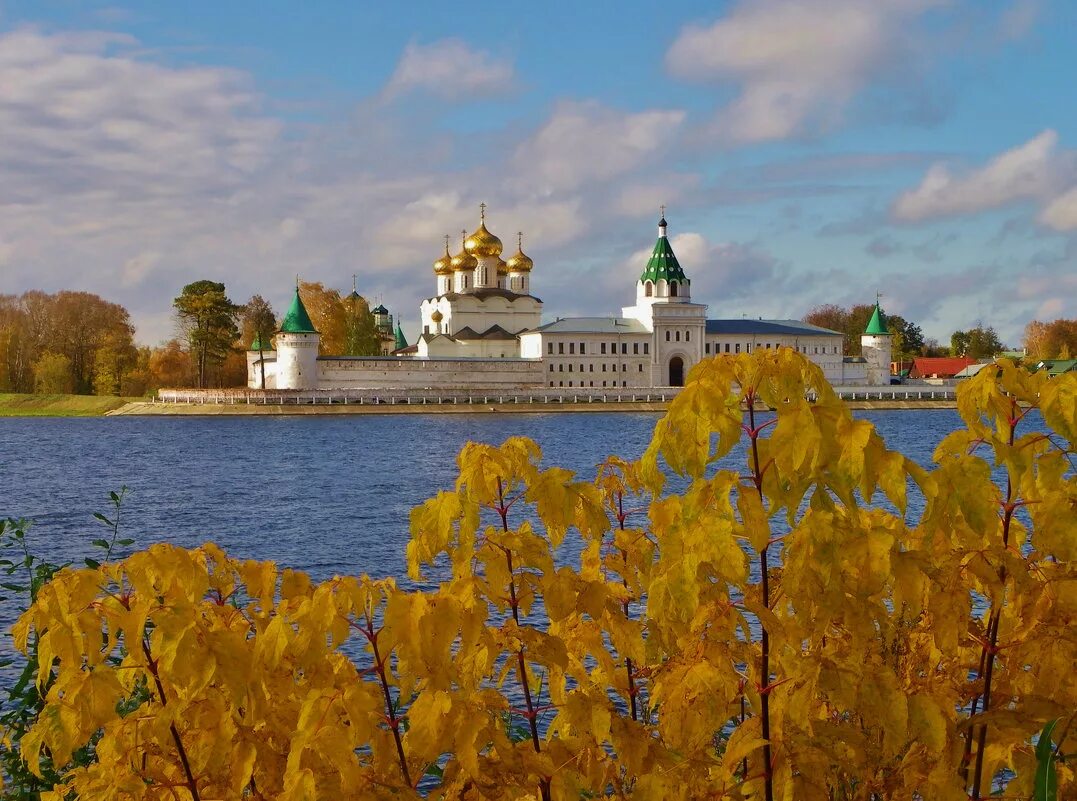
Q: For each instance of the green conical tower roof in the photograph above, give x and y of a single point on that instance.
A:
(401, 343)
(297, 321)
(257, 344)
(663, 263)
(877, 323)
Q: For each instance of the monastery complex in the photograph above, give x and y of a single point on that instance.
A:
(483, 329)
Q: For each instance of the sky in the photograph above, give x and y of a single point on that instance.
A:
(806, 151)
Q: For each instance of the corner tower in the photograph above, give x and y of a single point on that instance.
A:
(876, 346)
(297, 348)
(662, 277)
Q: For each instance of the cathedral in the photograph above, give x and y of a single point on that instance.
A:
(483, 329)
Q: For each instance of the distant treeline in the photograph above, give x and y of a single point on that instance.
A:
(80, 343)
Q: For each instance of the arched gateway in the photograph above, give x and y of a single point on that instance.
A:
(676, 372)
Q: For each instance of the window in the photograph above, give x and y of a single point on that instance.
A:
(603, 383)
(590, 383)
(560, 368)
(602, 348)
(646, 348)
(624, 347)
(570, 368)
(549, 348)
(816, 350)
(748, 348)
(687, 336)
(635, 349)
(678, 336)
(551, 383)
(426, 329)
(583, 348)
(648, 289)
(624, 383)
(738, 347)
(591, 367)
(667, 336)
(707, 348)
(581, 368)
(560, 347)
(570, 383)
(603, 368)
(641, 368)
(727, 347)
(560, 383)
(613, 367)
(673, 289)
(551, 368)
(624, 368)
(571, 347)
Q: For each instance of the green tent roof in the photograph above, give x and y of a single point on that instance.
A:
(257, 344)
(877, 324)
(297, 321)
(401, 343)
(663, 263)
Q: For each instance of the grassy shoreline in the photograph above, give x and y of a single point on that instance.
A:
(26, 405)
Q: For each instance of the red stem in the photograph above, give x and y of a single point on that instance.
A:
(624, 580)
(988, 653)
(764, 670)
(390, 711)
(521, 665)
(192, 785)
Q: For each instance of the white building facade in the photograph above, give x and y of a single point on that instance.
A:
(483, 329)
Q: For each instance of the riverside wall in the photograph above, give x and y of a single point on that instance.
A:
(467, 400)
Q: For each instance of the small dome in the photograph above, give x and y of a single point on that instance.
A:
(443, 266)
(520, 261)
(463, 261)
(502, 267)
(437, 316)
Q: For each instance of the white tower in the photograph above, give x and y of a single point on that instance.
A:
(297, 349)
(876, 346)
(519, 268)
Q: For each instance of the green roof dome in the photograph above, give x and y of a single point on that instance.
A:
(257, 344)
(877, 323)
(297, 321)
(663, 264)
(401, 342)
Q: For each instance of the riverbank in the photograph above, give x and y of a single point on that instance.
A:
(145, 408)
(26, 405)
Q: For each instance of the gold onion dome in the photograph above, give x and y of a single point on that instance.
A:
(443, 266)
(502, 267)
(482, 243)
(463, 260)
(437, 316)
(520, 262)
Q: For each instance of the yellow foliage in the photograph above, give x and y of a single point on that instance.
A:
(782, 630)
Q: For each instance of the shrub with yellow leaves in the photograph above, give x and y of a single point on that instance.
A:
(778, 628)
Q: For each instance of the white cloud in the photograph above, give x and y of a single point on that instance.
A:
(798, 62)
(1028, 171)
(450, 69)
(1061, 213)
(585, 143)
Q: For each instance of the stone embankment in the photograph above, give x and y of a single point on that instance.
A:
(445, 401)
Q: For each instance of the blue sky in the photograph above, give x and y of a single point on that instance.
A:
(809, 151)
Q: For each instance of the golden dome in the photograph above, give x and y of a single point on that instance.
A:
(520, 262)
(502, 267)
(463, 260)
(443, 266)
(437, 316)
(482, 243)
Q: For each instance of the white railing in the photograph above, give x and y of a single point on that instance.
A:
(562, 395)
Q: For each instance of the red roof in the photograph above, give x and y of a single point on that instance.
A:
(939, 366)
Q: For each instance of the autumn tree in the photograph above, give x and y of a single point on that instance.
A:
(1054, 340)
(170, 365)
(258, 325)
(52, 374)
(207, 320)
(326, 310)
(361, 336)
(976, 343)
(908, 338)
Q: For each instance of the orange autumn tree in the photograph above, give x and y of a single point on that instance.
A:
(750, 611)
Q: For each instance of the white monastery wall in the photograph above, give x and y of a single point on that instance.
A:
(411, 373)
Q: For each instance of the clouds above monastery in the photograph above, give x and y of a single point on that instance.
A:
(809, 151)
